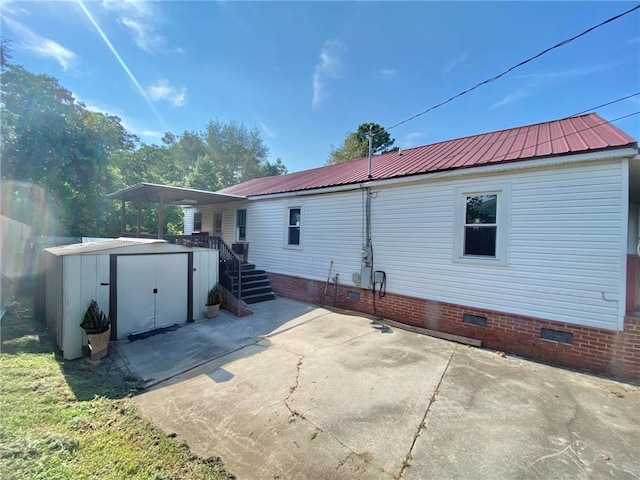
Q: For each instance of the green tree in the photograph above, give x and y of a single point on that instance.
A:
(236, 151)
(204, 175)
(54, 149)
(52, 141)
(272, 169)
(5, 53)
(356, 144)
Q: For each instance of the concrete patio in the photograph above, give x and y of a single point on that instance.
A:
(299, 392)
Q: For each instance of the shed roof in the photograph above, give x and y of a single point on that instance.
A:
(568, 136)
(90, 247)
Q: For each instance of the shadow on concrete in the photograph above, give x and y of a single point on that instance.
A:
(161, 357)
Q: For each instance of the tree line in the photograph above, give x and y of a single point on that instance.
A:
(60, 159)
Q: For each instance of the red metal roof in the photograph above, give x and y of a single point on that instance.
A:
(580, 134)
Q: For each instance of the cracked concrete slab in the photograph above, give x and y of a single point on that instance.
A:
(325, 395)
(497, 418)
(309, 402)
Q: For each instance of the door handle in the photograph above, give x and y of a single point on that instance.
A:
(155, 290)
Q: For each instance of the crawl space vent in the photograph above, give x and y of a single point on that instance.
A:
(353, 295)
(474, 320)
(556, 335)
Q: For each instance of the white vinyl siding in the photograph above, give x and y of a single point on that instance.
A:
(331, 231)
(228, 219)
(566, 238)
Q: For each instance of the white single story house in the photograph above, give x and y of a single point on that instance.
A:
(525, 239)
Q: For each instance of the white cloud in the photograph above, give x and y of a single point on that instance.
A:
(151, 134)
(49, 48)
(124, 121)
(329, 66)
(142, 19)
(145, 39)
(387, 72)
(546, 77)
(266, 130)
(540, 80)
(10, 7)
(454, 62)
(410, 139)
(42, 46)
(93, 108)
(509, 98)
(635, 101)
(162, 90)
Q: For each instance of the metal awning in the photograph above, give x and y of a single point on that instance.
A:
(167, 194)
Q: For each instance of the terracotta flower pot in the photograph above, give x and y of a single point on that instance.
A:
(99, 344)
(212, 310)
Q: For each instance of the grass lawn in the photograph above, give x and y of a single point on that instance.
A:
(64, 419)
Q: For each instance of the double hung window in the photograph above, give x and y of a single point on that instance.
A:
(217, 224)
(241, 225)
(293, 228)
(197, 221)
(482, 225)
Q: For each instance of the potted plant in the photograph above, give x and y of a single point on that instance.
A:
(214, 300)
(97, 326)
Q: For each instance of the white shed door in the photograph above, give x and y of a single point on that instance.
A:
(171, 285)
(152, 292)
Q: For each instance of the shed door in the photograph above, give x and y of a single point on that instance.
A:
(152, 292)
(171, 284)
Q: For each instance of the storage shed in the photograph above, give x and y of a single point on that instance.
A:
(142, 284)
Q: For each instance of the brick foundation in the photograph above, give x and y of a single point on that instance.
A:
(592, 349)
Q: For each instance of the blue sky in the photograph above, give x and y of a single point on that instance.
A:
(307, 73)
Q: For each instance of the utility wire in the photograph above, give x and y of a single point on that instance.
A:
(605, 104)
(493, 79)
(517, 129)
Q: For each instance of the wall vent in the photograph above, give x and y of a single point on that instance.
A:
(556, 335)
(353, 295)
(474, 320)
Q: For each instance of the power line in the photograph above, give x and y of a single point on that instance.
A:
(605, 104)
(493, 79)
(556, 120)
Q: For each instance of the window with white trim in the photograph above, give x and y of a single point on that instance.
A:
(197, 221)
(482, 225)
(293, 227)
